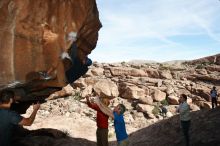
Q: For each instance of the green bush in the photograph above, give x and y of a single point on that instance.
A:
(200, 66)
(164, 102)
(164, 67)
(156, 110)
(78, 95)
(123, 63)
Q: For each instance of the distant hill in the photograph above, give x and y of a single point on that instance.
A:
(211, 59)
(214, 59)
(176, 62)
(141, 61)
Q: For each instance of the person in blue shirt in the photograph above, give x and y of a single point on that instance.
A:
(214, 97)
(9, 119)
(119, 123)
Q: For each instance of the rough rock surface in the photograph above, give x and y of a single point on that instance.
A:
(34, 33)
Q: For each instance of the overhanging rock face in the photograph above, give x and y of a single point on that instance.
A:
(33, 34)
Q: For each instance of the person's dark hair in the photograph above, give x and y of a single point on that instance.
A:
(214, 87)
(5, 96)
(184, 96)
(122, 108)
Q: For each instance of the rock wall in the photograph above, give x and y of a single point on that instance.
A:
(33, 33)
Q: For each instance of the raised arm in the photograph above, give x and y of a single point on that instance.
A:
(104, 108)
(29, 121)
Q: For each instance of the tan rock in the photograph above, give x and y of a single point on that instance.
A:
(153, 80)
(79, 83)
(153, 73)
(133, 92)
(158, 95)
(65, 91)
(97, 71)
(86, 91)
(213, 68)
(91, 80)
(166, 74)
(189, 100)
(89, 74)
(183, 91)
(207, 105)
(203, 92)
(119, 71)
(105, 88)
(169, 114)
(194, 107)
(201, 71)
(146, 100)
(145, 108)
(173, 100)
(169, 90)
(172, 108)
(159, 83)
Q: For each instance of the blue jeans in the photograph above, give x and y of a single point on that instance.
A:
(214, 102)
(124, 142)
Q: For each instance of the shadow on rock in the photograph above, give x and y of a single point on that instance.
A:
(47, 137)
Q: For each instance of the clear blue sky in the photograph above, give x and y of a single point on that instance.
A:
(159, 30)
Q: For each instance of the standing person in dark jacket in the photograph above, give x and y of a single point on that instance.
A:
(102, 122)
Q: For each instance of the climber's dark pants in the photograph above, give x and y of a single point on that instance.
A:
(77, 68)
(102, 137)
(214, 102)
(185, 127)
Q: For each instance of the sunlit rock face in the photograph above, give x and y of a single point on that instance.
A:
(33, 34)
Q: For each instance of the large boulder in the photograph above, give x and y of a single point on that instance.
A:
(158, 95)
(169, 90)
(173, 100)
(146, 109)
(153, 73)
(34, 33)
(194, 107)
(97, 71)
(146, 100)
(133, 92)
(213, 68)
(166, 74)
(106, 88)
(203, 92)
(119, 71)
(201, 71)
